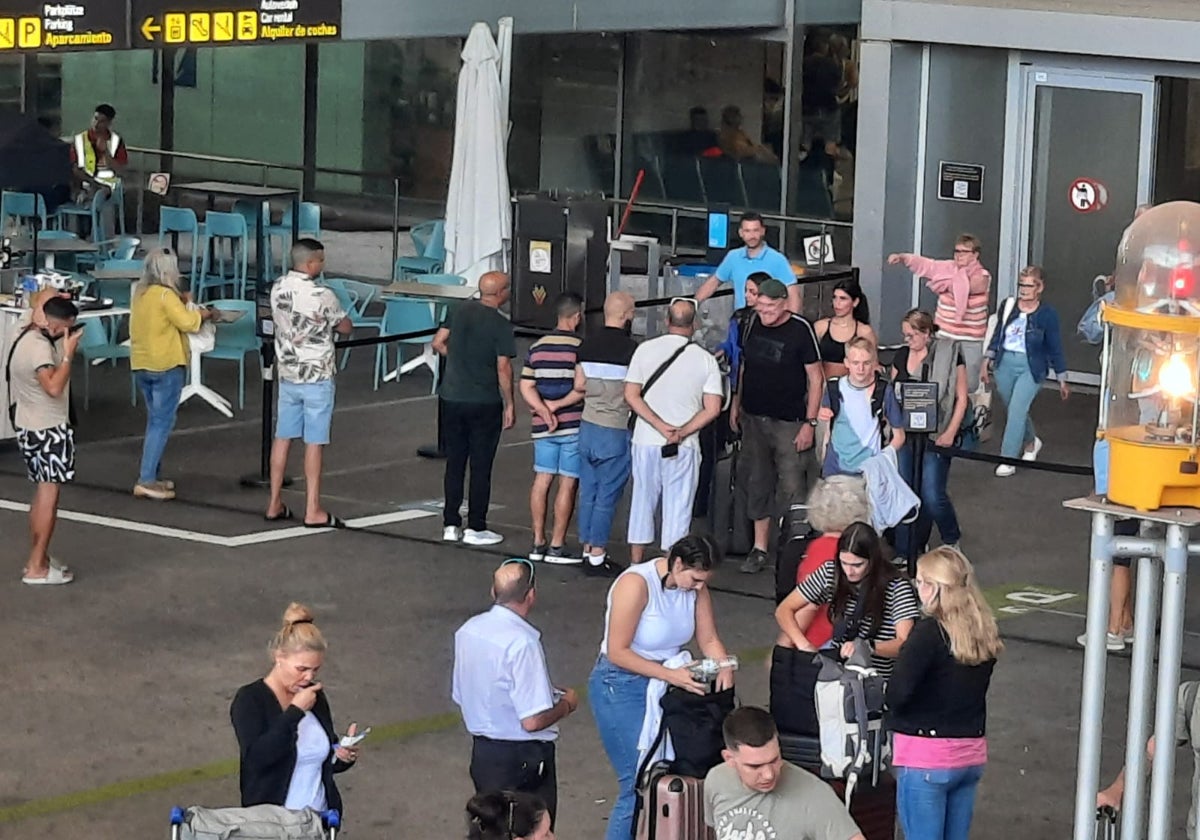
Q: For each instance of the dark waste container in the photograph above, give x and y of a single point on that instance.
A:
(560, 243)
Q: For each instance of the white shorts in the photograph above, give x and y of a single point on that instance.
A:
(674, 481)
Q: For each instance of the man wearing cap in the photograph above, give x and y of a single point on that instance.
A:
(503, 687)
(754, 256)
(775, 406)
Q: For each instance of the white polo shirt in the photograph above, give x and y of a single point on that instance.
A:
(500, 676)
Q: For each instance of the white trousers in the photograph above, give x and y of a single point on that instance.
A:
(671, 480)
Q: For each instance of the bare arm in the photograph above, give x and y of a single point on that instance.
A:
(344, 326)
(504, 371)
(816, 387)
(707, 414)
(538, 722)
(707, 288)
(633, 397)
(441, 341)
(785, 617)
(891, 650)
(629, 599)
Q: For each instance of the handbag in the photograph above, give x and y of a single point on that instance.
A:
(654, 377)
(977, 427)
(695, 721)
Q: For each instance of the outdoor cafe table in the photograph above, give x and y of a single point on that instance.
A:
(115, 273)
(57, 245)
(11, 324)
(438, 297)
(263, 195)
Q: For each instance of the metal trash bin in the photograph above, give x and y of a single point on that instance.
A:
(559, 244)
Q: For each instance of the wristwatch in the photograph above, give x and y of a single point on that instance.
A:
(812, 421)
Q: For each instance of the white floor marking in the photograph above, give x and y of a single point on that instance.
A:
(257, 538)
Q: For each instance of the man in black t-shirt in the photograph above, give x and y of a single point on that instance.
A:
(776, 404)
(476, 396)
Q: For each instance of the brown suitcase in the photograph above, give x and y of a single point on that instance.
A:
(872, 807)
(671, 808)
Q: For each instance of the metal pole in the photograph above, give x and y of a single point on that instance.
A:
(395, 225)
(1091, 713)
(1141, 673)
(789, 98)
(1170, 649)
(674, 231)
(918, 475)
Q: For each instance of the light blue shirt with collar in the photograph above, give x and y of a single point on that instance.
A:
(738, 265)
(500, 676)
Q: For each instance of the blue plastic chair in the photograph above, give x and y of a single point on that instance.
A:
(429, 240)
(235, 340)
(221, 268)
(120, 248)
(25, 207)
(403, 316)
(310, 226)
(364, 294)
(92, 211)
(173, 221)
(96, 344)
(442, 279)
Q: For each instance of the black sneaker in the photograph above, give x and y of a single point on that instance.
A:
(557, 555)
(537, 553)
(607, 568)
(755, 562)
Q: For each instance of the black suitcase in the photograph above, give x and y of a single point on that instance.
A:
(794, 536)
(732, 527)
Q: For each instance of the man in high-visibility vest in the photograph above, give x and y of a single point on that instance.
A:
(99, 155)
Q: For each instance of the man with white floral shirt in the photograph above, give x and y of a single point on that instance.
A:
(306, 316)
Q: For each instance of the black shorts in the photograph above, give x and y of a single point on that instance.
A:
(49, 454)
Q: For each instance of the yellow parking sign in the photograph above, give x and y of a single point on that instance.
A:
(29, 33)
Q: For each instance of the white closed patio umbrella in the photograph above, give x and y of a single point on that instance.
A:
(478, 212)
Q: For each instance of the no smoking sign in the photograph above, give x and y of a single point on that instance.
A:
(1087, 195)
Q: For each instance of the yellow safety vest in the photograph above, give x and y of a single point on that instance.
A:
(85, 154)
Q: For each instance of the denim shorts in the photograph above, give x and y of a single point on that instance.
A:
(557, 455)
(305, 410)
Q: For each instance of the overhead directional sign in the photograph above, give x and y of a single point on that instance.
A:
(29, 26)
(214, 23)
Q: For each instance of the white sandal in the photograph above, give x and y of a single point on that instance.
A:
(53, 576)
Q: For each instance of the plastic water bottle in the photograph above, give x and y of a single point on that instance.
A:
(707, 669)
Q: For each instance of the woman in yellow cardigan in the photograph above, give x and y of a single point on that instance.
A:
(158, 325)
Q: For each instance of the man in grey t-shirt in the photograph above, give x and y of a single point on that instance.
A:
(755, 794)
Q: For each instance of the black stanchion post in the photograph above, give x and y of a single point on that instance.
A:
(920, 440)
(438, 450)
(265, 328)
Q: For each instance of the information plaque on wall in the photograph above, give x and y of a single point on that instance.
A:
(207, 23)
(960, 182)
(82, 25)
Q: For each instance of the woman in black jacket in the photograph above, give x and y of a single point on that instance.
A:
(289, 748)
(937, 700)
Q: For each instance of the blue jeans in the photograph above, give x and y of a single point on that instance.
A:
(160, 390)
(936, 507)
(618, 701)
(604, 464)
(1016, 386)
(937, 804)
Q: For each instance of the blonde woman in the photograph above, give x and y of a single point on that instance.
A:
(938, 700)
(288, 746)
(158, 326)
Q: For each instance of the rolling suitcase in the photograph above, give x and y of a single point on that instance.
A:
(671, 808)
(732, 528)
(1108, 824)
(873, 803)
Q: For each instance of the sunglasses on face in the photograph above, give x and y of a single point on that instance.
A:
(964, 250)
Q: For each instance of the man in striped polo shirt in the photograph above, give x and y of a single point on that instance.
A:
(548, 387)
(962, 285)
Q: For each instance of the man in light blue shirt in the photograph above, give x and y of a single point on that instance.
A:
(502, 685)
(756, 255)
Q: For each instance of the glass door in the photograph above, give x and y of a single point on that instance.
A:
(1088, 152)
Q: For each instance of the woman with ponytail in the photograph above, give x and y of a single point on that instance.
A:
(508, 815)
(937, 700)
(288, 746)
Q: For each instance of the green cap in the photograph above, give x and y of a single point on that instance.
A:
(772, 288)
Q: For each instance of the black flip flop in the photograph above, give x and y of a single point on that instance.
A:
(331, 522)
(279, 517)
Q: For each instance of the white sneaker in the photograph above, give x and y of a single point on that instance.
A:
(1031, 454)
(451, 533)
(473, 537)
(1005, 470)
(1113, 642)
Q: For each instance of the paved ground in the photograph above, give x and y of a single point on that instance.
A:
(117, 687)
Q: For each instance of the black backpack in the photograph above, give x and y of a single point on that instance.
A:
(794, 536)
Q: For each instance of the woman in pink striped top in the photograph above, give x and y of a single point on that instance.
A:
(962, 285)
(937, 700)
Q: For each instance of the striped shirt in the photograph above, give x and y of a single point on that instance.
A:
(943, 277)
(550, 364)
(900, 604)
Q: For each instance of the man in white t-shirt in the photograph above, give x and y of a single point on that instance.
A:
(674, 387)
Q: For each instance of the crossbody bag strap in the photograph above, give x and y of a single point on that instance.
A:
(654, 377)
(8, 372)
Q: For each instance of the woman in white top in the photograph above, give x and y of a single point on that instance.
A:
(289, 748)
(654, 610)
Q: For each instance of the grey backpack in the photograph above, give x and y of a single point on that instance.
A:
(850, 700)
(260, 822)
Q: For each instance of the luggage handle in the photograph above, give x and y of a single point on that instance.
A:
(1106, 823)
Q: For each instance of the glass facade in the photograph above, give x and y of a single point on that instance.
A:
(698, 116)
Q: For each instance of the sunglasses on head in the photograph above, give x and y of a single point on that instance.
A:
(695, 303)
(527, 562)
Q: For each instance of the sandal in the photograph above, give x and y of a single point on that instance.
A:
(53, 577)
(283, 514)
(331, 521)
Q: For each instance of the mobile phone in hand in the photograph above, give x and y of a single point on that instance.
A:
(353, 740)
(74, 328)
(670, 450)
